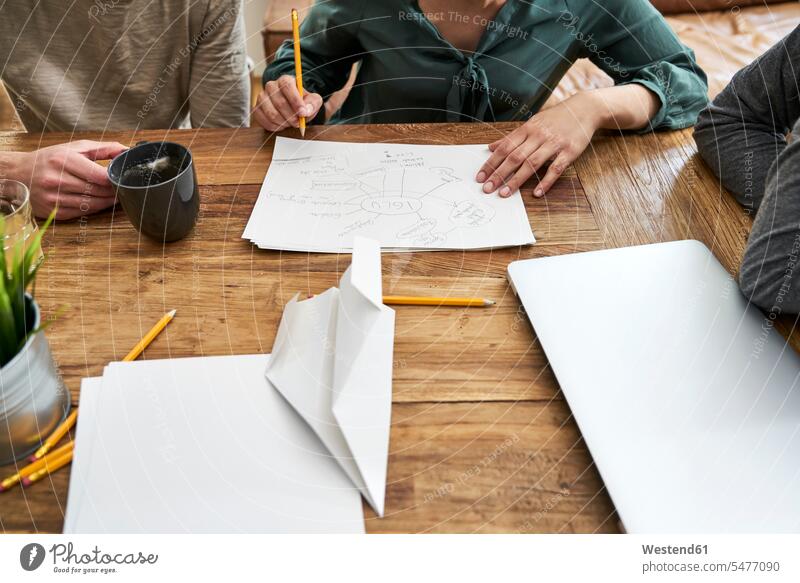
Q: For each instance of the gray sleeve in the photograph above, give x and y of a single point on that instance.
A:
(219, 85)
(743, 131)
(770, 272)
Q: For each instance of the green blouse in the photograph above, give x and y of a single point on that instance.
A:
(409, 73)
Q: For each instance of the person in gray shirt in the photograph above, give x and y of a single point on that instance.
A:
(123, 64)
(105, 65)
(745, 137)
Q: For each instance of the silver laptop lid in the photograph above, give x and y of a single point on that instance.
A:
(687, 397)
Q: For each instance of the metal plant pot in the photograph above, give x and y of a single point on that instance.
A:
(33, 398)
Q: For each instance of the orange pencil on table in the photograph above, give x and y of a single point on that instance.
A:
(431, 301)
(56, 436)
(298, 65)
(69, 422)
(150, 336)
(51, 464)
(12, 481)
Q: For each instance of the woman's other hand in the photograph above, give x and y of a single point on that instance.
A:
(561, 133)
(558, 135)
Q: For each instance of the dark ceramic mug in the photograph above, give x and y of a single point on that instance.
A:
(157, 186)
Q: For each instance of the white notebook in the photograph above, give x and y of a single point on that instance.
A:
(201, 445)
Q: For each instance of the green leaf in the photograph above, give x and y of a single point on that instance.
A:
(2, 238)
(8, 333)
(18, 274)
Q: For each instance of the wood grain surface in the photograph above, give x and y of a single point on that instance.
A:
(482, 440)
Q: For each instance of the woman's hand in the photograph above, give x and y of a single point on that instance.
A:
(280, 106)
(560, 133)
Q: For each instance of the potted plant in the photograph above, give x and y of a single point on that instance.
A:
(33, 399)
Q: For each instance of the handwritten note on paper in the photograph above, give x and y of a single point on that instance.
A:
(317, 196)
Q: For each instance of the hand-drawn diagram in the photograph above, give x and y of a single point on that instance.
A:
(318, 197)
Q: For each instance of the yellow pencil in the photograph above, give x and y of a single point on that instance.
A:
(69, 422)
(150, 336)
(423, 301)
(51, 464)
(56, 436)
(298, 66)
(12, 481)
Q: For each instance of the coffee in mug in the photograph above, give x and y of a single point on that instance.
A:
(157, 186)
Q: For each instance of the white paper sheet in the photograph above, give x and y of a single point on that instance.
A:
(332, 360)
(203, 445)
(82, 453)
(318, 195)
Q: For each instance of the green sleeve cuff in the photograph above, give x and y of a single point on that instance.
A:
(683, 95)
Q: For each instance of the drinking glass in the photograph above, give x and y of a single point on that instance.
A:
(18, 223)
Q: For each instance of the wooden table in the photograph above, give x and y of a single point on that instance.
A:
(482, 439)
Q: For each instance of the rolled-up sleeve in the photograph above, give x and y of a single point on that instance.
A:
(770, 272)
(219, 91)
(632, 43)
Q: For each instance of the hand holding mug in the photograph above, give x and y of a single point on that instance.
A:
(67, 177)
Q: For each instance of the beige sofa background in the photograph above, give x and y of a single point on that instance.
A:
(725, 35)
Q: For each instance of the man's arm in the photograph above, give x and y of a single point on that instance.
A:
(219, 86)
(65, 177)
(744, 130)
(770, 273)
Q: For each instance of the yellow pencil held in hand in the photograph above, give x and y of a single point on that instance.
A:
(298, 65)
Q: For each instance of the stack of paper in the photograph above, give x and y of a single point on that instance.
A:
(317, 196)
(211, 445)
(201, 445)
(332, 360)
